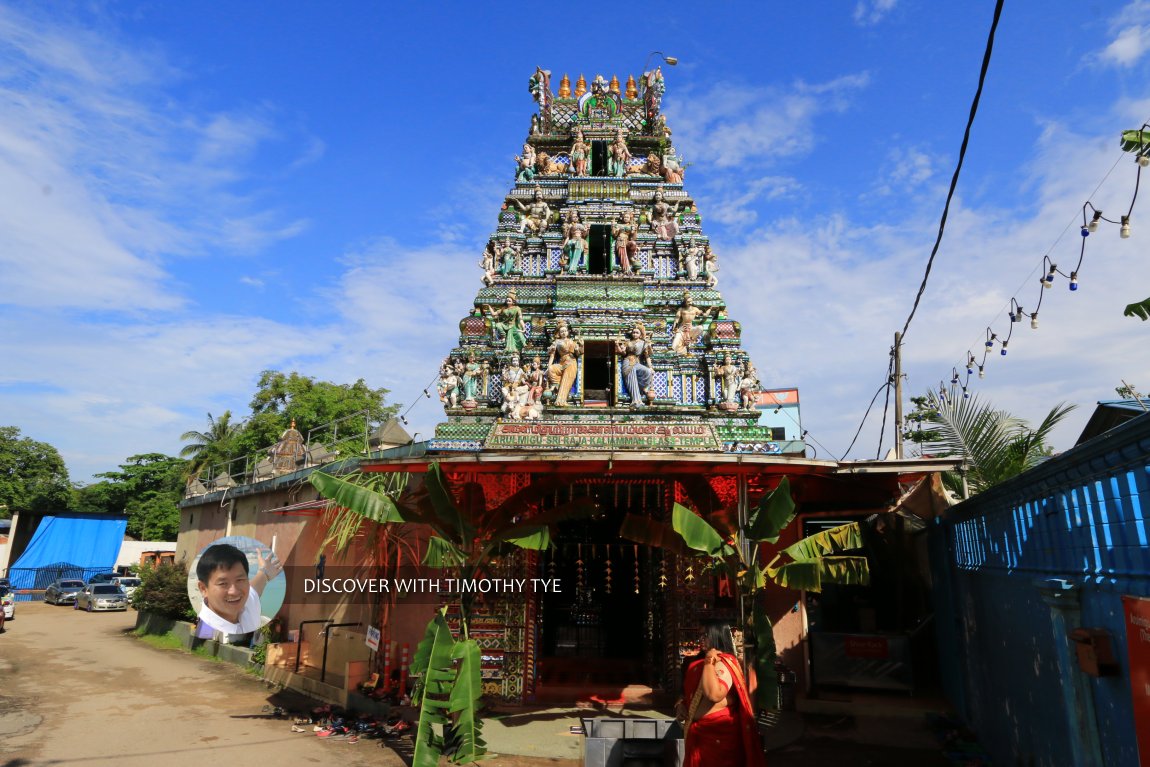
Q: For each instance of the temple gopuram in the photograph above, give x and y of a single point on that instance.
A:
(599, 360)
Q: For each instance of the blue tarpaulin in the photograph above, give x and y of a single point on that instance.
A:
(68, 546)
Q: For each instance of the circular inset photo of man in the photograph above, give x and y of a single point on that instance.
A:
(236, 585)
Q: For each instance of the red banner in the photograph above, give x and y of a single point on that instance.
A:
(1138, 650)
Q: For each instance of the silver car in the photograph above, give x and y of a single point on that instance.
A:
(101, 596)
(63, 591)
(128, 584)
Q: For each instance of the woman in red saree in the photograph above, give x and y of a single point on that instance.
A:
(720, 724)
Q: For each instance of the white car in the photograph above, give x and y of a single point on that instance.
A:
(8, 600)
(127, 584)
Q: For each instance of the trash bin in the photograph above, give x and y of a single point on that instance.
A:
(622, 742)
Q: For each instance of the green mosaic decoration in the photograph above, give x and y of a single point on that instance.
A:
(599, 322)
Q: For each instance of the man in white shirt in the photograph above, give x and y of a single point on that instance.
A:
(231, 599)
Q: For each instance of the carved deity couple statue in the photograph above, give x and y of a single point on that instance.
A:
(500, 260)
(738, 384)
(459, 380)
(522, 389)
(697, 260)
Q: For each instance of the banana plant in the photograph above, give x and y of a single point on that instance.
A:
(447, 664)
(806, 565)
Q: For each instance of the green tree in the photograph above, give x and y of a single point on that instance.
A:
(164, 591)
(148, 488)
(283, 398)
(33, 476)
(994, 444)
(218, 444)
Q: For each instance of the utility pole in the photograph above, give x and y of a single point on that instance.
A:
(897, 395)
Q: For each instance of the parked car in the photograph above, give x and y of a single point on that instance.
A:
(103, 578)
(5, 582)
(8, 603)
(128, 584)
(63, 591)
(101, 596)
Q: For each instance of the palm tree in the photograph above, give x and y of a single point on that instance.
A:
(995, 445)
(212, 446)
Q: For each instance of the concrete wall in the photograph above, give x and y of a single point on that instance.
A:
(1023, 564)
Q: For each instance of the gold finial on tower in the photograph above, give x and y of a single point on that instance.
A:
(614, 84)
(565, 87)
(632, 88)
(580, 86)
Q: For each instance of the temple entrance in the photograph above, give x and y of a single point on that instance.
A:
(601, 636)
(599, 249)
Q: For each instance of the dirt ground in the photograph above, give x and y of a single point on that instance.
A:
(79, 688)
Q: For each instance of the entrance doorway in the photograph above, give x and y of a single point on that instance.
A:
(602, 633)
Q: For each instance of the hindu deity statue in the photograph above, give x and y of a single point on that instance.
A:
(525, 164)
(690, 254)
(471, 379)
(683, 332)
(749, 387)
(513, 375)
(536, 214)
(636, 365)
(448, 386)
(563, 363)
(626, 248)
(728, 375)
(618, 156)
(663, 217)
(580, 152)
(574, 243)
(488, 262)
(509, 323)
(711, 267)
(508, 256)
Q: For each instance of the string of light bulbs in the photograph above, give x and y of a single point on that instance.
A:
(1048, 270)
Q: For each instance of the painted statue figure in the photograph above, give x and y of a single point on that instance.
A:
(513, 375)
(580, 152)
(471, 373)
(663, 217)
(508, 255)
(536, 377)
(525, 164)
(690, 254)
(574, 243)
(537, 213)
(626, 248)
(448, 386)
(563, 363)
(749, 387)
(728, 375)
(711, 267)
(509, 323)
(636, 365)
(683, 332)
(488, 261)
(618, 156)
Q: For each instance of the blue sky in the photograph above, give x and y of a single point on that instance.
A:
(194, 193)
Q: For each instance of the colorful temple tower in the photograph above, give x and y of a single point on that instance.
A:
(600, 324)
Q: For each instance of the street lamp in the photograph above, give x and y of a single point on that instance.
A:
(671, 60)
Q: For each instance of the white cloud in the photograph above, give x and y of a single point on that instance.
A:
(733, 123)
(105, 176)
(908, 169)
(1128, 47)
(869, 13)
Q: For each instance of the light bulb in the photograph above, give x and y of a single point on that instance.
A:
(990, 344)
(965, 394)
(1034, 321)
(1085, 232)
(1003, 352)
(1143, 160)
(1074, 280)
(1125, 230)
(981, 372)
(1093, 226)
